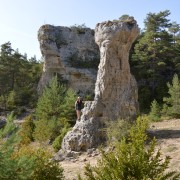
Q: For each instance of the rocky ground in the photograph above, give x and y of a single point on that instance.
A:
(168, 137)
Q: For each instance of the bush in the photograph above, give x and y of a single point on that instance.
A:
(58, 141)
(132, 159)
(9, 128)
(14, 168)
(43, 167)
(155, 113)
(43, 130)
(116, 130)
(26, 132)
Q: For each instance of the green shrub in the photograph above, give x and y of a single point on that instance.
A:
(43, 167)
(11, 100)
(67, 108)
(27, 129)
(43, 130)
(132, 159)
(14, 168)
(10, 127)
(49, 130)
(58, 141)
(116, 130)
(155, 113)
(173, 101)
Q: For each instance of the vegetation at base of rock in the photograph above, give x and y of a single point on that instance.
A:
(58, 140)
(133, 158)
(116, 130)
(54, 113)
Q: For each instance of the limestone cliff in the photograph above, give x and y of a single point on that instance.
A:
(72, 54)
(116, 92)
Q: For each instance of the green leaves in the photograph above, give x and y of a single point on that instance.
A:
(134, 158)
(54, 113)
(173, 101)
(155, 57)
(17, 75)
(49, 104)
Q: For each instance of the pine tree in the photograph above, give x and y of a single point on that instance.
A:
(17, 75)
(153, 58)
(49, 104)
(68, 111)
(50, 111)
(173, 102)
(155, 112)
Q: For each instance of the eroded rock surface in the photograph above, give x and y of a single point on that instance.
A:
(72, 54)
(116, 92)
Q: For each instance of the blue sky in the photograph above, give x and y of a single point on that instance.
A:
(21, 19)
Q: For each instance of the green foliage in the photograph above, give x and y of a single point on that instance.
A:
(91, 60)
(54, 112)
(44, 129)
(43, 167)
(50, 102)
(12, 168)
(155, 113)
(155, 58)
(28, 163)
(79, 29)
(124, 17)
(10, 127)
(132, 158)
(11, 100)
(173, 102)
(26, 132)
(116, 130)
(67, 107)
(58, 141)
(18, 78)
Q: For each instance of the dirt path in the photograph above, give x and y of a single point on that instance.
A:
(168, 137)
(74, 167)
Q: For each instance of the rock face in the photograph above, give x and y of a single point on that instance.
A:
(72, 54)
(116, 92)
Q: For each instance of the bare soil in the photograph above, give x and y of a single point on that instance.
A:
(167, 134)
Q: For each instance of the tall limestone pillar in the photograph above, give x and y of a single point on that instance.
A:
(116, 92)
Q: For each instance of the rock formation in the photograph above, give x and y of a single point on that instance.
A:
(116, 92)
(72, 54)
